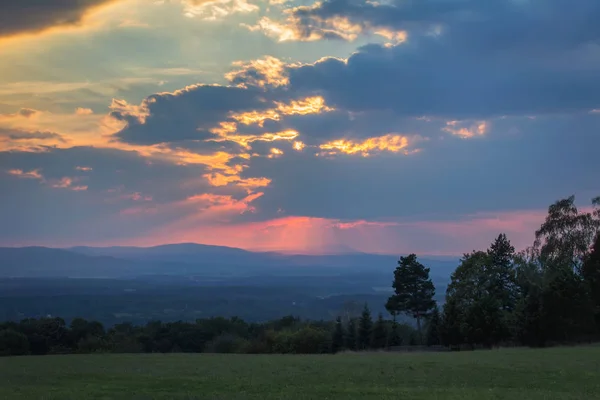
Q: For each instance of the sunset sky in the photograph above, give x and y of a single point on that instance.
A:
(397, 126)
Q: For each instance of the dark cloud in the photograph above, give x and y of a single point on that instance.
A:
(27, 112)
(24, 16)
(486, 25)
(427, 77)
(188, 114)
(15, 134)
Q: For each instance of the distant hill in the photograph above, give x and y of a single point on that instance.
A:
(191, 259)
(48, 262)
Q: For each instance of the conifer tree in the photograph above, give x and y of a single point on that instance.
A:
(351, 339)
(413, 290)
(434, 337)
(337, 340)
(365, 326)
(379, 337)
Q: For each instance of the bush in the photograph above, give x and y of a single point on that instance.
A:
(13, 343)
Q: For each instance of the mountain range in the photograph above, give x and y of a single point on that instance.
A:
(191, 259)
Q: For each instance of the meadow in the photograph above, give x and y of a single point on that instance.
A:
(557, 373)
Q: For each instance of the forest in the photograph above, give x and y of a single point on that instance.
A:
(544, 295)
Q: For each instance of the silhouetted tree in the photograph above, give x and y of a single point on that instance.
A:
(365, 324)
(337, 340)
(591, 275)
(394, 338)
(379, 337)
(13, 343)
(434, 327)
(413, 290)
(351, 340)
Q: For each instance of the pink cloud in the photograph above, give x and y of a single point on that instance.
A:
(33, 174)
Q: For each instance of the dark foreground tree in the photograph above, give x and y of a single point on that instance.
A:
(13, 343)
(365, 325)
(591, 275)
(337, 340)
(394, 337)
(351, 341)
(434, 328)
(379, 337)
(413, 291)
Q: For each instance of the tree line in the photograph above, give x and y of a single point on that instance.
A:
(212, 335)
(546, 294)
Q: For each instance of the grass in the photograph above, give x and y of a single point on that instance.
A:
(559, 373)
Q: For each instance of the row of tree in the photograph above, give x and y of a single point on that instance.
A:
(546, 294)
(214, 335)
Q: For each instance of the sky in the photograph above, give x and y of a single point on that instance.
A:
(394, 126)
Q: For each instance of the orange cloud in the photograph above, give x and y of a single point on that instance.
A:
(299, 146)
(291, 29)
(83, 111)
(267, 71)
(392, 143)
(308, 105)
(275, 152)
(300, 25)
(246, 140)
(458, 128)
(218, 179)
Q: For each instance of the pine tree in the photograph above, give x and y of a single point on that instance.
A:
(365, 325)
(379, 337)
(413, 290)
(502, 273)
(351, 339)
(337, 340)
(394, 338)
(434, 328)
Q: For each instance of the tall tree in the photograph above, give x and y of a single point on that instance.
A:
(413, 290)
(394, 338)
(591, 275)
(365, 326)
(565, 237)
(337, 340)
(379, 338)
(451, 324)
(502, 273)
(351, 341)
(434, 327)
(473, 291)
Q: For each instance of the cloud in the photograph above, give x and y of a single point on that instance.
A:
(263, 72)
(83, 111)
(213, 10)
(478, 128)
(31, 16)
(395, 147)
(489, 25)
(428, 77)
(19, 135)
(187, 114)
(19, 173)
(391, 142)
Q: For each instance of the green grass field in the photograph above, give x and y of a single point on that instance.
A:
(560, 373)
